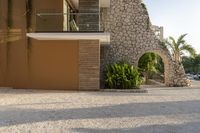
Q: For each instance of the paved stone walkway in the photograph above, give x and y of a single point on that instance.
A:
(162, 110)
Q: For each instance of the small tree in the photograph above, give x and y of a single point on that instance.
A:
(191, 64)
(149, 64)
(178, 47)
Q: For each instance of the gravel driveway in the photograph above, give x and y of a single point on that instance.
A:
(162, 110)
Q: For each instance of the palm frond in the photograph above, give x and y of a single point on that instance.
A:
(188, 48)
(173, 41)
(181, 40)
(170, 44)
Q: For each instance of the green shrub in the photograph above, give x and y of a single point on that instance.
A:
(122, 76)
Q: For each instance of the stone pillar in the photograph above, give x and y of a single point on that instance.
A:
(88, 20)
(89, 64)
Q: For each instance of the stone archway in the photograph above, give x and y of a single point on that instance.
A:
(132, 35)
(168, 70)
(174, 73)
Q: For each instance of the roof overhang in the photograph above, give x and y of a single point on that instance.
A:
(104, 38)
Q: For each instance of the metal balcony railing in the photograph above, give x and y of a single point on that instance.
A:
(68, 22)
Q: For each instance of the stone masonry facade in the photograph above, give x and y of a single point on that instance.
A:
(132, 36)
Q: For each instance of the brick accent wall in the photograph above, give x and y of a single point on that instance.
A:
(89, 65)
(89, 22)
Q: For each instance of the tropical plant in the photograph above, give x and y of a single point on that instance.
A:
(178, 47)
(160, 64)
(191, 64)
(122, 76)
(149, 64)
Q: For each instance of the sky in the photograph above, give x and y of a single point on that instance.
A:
(177, 17)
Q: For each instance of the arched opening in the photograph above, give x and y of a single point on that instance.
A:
(151, 69)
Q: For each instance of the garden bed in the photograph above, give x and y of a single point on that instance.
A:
(126, 90)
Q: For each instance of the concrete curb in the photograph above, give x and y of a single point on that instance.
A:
(125, 90)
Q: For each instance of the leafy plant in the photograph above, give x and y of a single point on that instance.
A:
(149, 64)
(191, 64)
(122, 76)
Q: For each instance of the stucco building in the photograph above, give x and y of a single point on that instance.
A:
(65, 44)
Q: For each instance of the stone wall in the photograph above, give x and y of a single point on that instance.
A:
(132, 36)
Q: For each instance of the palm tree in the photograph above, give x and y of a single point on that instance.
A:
(177, 48)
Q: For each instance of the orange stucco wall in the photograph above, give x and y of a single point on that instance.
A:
(14, 46)
(28, 63)
(45, 65)
(54, 64)
(3, 44)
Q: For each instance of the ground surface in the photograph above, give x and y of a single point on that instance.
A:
(162, 110)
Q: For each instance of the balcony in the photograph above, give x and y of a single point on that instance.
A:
(68, 22)
(69, 26)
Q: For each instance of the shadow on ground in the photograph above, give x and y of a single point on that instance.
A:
(14, 115)
(192, 127)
